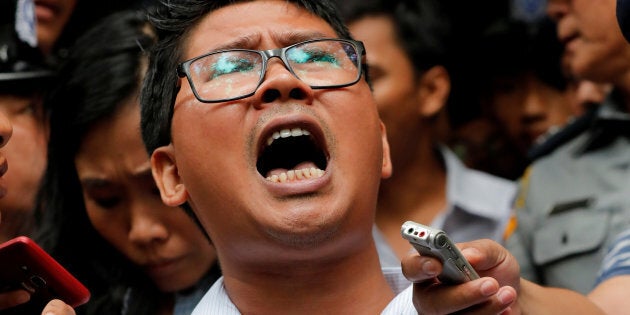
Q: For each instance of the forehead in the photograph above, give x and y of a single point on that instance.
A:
(107, 138)
(379, 36)
(259, 25)
(587, 5)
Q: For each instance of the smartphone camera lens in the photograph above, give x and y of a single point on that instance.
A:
(38, 281)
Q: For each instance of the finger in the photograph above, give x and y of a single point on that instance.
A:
(13, 298)
(58, 307)
(489, 258)
(481, 295)
(500, 303)
(418, 268)
(484, 254)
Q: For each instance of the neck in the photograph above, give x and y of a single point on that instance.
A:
(353, 284)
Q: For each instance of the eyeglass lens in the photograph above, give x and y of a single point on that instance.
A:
(234, 73)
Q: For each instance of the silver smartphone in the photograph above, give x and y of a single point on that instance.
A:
(434, 242)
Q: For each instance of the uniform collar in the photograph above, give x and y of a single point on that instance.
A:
(611, 122)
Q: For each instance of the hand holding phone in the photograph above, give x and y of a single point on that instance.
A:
(434, 242)
(24, 265)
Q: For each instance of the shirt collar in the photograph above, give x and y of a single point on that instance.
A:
(463, 189)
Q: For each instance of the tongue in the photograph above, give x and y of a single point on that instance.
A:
(301, 166)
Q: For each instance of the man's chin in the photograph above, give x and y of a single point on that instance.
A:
(303, 237)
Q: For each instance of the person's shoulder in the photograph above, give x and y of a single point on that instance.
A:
(559, 138)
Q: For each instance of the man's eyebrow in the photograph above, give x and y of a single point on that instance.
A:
(244, 42)
(286, 39)
(296, 37)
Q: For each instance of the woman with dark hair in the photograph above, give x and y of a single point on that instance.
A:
(100, 213)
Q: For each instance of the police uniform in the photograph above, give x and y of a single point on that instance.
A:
(574, 200)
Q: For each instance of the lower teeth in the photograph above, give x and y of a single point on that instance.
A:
(295, 175)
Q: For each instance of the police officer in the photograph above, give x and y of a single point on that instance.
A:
(576, 197)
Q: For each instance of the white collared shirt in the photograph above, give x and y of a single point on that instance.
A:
(216, 300)
(478, 206)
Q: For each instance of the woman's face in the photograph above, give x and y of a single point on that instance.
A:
(124, 205)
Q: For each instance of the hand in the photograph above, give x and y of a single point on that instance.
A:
(494, 293)
(13, 298)
(58, 307)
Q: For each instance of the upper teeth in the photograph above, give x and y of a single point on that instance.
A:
(285, 133)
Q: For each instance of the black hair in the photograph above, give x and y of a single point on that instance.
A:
(353, 10)
(103, 69)
(85, 15)
(510, 48)
(173, 20)
(422, 27)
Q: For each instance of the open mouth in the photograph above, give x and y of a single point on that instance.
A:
(292, 154)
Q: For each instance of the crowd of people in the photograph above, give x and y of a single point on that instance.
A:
(210, 177)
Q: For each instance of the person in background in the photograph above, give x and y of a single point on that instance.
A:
(525, 96)
(22, 74)
(99, 210)
(583, 184)
(408, 62)
(61, 22)
(613, 278)
(52, 16)
(35, 35)
(12, 298)
(609, 291)
(24, 79)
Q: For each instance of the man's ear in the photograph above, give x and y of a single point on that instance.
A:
(166, 175)
(387, 169)
(434, 88)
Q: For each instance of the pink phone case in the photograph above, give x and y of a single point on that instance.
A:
(23, 264)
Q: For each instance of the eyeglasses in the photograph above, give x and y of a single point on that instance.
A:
(232, 74)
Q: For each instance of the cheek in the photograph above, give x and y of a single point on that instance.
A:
(508, 112)
(183, 228)
(111, 227)
(29, 141)
(206, 130)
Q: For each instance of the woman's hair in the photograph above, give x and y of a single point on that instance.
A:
(103, 70)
